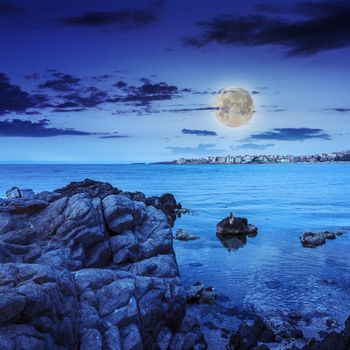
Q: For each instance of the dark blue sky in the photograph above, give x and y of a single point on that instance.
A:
(111, 81)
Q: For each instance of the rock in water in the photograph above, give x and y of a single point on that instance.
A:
(247, 337)
(89, 267)
(182, 235)
(197, 293)
(235, 226)
(315, 239)
(312, 239)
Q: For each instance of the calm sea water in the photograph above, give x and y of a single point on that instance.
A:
(272, 273)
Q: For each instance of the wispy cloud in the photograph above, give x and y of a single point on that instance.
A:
(291, 134)
(125, 19)
(195, 109)
(253, 146)
(303, 29)
(198, 132)
(42, 128)
(339, 110)
(201, 149)
(62, 82)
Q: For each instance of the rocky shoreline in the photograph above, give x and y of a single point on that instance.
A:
(89, 266)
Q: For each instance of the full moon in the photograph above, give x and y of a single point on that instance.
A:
(234, 107)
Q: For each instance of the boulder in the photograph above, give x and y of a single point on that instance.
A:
(199, 294)
(166, 202)
(312, 239)
(247, 337)
(15, 192)
(315, 239)
(89, 267)
(235, 226)
(332, 340)
(182, 235)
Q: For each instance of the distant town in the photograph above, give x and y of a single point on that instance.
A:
(342, 156)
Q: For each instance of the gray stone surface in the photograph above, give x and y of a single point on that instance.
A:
(90, 269)
(315, 239)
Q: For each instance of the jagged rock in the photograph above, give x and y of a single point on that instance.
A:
(88, 267)
(183, 235)
(166, 203)
(247, 337)
(346, 332)
(332, 340)
(315, 239)
(263, 331)
(235, 226)
(15, 192)
(312, 239)
(197, 293)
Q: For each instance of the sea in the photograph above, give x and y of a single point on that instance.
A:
(270, 274)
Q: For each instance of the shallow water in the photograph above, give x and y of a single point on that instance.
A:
(272, 273)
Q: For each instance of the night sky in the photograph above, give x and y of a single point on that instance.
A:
(135, 81)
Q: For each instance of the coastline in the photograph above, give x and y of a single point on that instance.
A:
(218, 333)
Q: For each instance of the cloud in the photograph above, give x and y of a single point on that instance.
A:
(255, 146)
(14, 99)
(199, 132)
(113, 136)
(291, 134)
(124, 19)
(27, 128)
(200, 149)
(120, 84)
(199, 109)
(340, 110)
(87, 99)
(63, 82)
(302, 29)
(42, 128)
(67, 93)
(147, 92)
(7, 7)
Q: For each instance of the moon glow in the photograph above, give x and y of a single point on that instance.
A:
(235, 107)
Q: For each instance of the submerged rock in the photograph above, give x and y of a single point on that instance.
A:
(197, 293)
(235, 226)
(91, 268)
(183, 235)
(315, 239)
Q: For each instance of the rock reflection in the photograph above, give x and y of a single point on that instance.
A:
(233, 242)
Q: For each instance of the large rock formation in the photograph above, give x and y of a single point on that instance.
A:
(91, 267)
